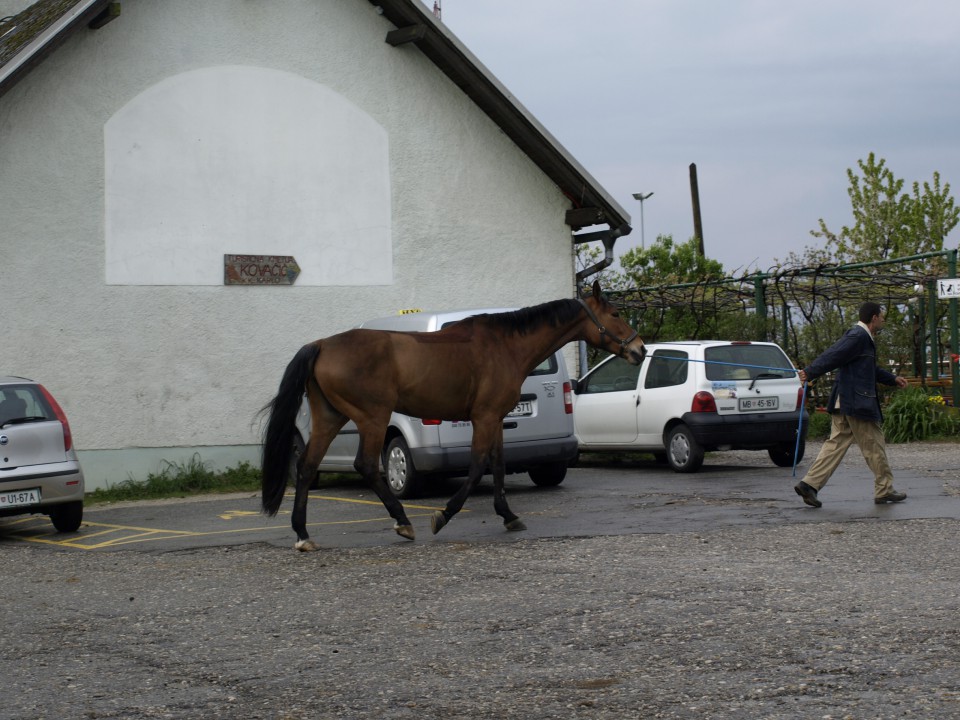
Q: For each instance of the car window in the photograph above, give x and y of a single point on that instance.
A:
(745, 362)
(547, 367)
(613, 376)
(22, 401)
(667, 368)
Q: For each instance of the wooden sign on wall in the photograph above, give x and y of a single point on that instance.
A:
(260, 270)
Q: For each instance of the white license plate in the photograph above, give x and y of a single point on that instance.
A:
(524, 408)
(759, 403)
(20, 498)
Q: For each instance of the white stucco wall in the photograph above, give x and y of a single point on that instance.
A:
(150, 369)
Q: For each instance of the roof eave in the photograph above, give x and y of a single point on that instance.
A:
(591, 202)
(48, 40)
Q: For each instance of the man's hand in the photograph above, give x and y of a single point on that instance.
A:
(803, 376)
(901, 382)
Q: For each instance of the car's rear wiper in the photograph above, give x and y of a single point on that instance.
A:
(763, 375)
(23, 420)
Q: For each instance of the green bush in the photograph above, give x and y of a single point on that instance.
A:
(915, 414)
(178, 480)
(819, 426)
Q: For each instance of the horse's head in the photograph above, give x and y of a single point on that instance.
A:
(610, 331)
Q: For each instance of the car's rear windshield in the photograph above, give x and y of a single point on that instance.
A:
(23, 401)
(746, 362)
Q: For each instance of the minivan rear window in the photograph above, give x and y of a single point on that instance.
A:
(547, 367)
(746, 362)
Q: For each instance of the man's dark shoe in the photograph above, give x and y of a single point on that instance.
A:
(892, 496)
(809, 495)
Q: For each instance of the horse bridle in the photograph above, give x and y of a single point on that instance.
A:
(603, 331)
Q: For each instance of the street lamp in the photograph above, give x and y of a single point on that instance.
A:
(641, 197)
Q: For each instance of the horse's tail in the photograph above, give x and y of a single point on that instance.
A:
(278, 436)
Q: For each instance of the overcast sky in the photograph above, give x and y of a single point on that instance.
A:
(773, 101)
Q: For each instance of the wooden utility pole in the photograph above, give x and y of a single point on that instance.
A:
(695, 199)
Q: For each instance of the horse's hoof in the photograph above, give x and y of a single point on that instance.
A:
(306, 546)
(405, 531)
(437, 522)
(515, 524)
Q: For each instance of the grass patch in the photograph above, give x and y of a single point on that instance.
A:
(180, 480)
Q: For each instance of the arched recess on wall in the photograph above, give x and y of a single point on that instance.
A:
(245, 160)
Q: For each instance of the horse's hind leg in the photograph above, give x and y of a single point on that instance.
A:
(325, 424)
(368, 465)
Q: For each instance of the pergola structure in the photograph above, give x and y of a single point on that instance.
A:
(793, 293)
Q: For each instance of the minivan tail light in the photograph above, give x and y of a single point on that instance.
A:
(62, 417)
(703, 402)
(568, 398)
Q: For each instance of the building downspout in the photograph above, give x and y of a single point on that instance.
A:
(609, 239)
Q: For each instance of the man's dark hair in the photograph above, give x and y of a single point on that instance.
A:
(868, 310)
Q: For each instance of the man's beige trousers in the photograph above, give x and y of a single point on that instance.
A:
(845, 430)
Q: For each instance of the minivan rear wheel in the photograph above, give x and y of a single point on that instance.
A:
(66, 518)
(683, 451)
(548, 475)
(402, 476)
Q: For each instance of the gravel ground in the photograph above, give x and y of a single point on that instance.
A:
(815, 620)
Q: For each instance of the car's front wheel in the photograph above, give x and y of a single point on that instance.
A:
(548, 475)
(66, 518)
(402, 476)
(782, 454)
(683, 451)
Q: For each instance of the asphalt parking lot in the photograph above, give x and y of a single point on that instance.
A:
(640, 496)
(635, 593)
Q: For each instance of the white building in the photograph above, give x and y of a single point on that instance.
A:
(138, 148)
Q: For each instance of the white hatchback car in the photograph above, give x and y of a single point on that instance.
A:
(690, 397)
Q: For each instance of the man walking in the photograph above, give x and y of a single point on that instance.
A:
(854, 407)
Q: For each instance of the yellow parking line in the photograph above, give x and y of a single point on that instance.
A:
(133, 534)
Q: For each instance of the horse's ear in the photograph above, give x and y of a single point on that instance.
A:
(597, 293)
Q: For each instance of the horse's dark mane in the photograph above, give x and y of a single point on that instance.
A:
(528, 319)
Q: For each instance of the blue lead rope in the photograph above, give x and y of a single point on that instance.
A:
(803, 400)
(796, 450)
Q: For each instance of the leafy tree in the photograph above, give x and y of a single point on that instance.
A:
(700, 315)
(888, 223)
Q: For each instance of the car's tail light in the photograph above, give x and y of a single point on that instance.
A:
(703, 402)
(62, 417)
(429, 421)
(800, 398)
(568, 398)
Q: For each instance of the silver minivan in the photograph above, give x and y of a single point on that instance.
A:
(538, 435)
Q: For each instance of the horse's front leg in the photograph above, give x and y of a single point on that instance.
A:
(510, 521)
(479, 459)
(368, 465)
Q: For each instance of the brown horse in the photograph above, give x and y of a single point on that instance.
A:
(471, 369)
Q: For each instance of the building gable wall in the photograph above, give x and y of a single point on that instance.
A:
(457, 217)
